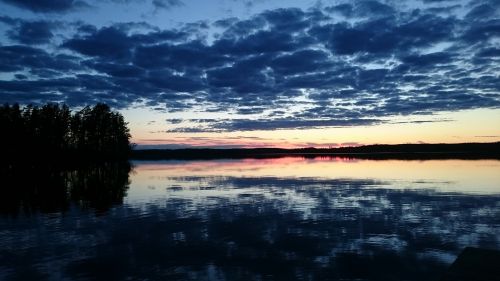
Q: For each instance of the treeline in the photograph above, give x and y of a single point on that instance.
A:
(399, 151)
(53, 131)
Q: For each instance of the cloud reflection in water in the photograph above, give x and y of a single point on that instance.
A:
(226, 227)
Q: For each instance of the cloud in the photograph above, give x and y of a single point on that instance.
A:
(482, 12)
(344, 9)
(115, 69)
(433, 59)
(157, 4)
(20, 57)
(489, 52)
(362, 9)
(48, 6)
(107, 43)
(301, 62)
(279, 69)
(222, 142)
(30, 32)
(438, 1)
(482, 32)
(167, 4)
(384, 36)
(271, 124)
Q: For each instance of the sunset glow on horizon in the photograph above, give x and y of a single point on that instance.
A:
(457, 127)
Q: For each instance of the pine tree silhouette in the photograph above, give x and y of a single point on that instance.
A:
(52, 130)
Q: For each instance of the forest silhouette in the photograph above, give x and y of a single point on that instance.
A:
(54, 132)
(55, 158)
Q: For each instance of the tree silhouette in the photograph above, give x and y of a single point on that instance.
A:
(53, 131)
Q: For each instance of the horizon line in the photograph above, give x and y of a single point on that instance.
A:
(229, 147)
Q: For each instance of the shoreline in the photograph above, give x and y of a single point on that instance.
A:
(400, 151)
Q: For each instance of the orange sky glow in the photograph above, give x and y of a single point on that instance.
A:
(481, 125)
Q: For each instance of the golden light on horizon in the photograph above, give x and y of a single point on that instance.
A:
(481, 125)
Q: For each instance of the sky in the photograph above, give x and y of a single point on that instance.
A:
(263, 73)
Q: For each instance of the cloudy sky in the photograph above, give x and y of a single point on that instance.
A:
(246, 73)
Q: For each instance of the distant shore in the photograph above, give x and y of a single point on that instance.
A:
(399, 151)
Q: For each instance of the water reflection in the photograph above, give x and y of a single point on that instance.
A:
(44, 188)
(444, 175)
(234, 223)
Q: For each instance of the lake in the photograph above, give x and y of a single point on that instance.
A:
(250, 219)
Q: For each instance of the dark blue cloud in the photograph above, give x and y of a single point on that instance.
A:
(157, 4)
(193, 54)
(35, 32)
(262, 41)
(117, 70)
(48, 6)
(489, 52)
(167, 4)
(165, 80)
(481, 12)
(373, 8)
(433, 59)
(108, 43)
(20, 57)
(301, 62)
(287, 20)
(482, 31)
(29, 32)
(385, 35)
(362, 9)
(272, 124)
(159, 36)
(284, 68)
(346, 10)
(438, 1)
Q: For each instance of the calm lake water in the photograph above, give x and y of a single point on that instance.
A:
(271, 219)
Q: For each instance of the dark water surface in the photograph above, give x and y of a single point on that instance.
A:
(277, 219)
